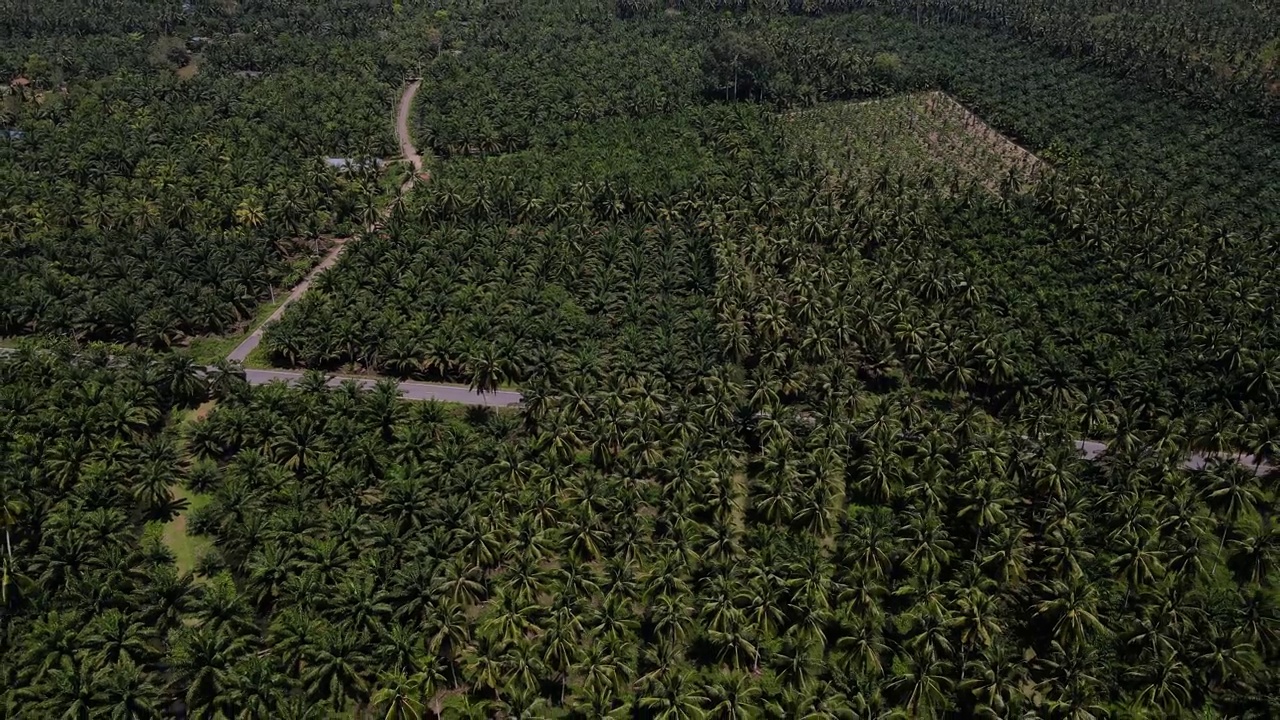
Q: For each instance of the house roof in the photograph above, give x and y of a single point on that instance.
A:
(352, 163)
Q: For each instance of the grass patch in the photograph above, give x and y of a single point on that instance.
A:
(191, 69)
(917, 135)
(259, 360)
(187, 549)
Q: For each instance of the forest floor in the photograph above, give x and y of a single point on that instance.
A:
(187, 549)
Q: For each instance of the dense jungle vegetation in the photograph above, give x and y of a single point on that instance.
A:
(805, 348)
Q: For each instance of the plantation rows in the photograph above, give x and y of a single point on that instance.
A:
(805, 347)
(1206, 53)
(631, 548)
(1053, 297)
(168, 197)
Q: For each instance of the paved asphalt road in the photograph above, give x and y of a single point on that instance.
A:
(409, 390)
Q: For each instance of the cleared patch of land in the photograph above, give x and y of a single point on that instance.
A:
(918, 135)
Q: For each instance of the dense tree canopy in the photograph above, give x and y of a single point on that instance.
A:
(805, 344)
(631, 547)
(152, 203)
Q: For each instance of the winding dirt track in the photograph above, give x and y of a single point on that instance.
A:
(410, 153)
(410, 390)
(407, 149)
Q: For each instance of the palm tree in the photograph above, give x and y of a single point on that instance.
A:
(993, 679)
(599, 667)
(983, 502)
(258, 689)
(447, 631)
(1232, 492)
(522, 666)
(1226, 660)
(1074, 689)
(922, 686)
(203, 662)
(69, 692)
(298, 446)
(1256, 554)
(12, 508)
(126, 693)
(599, 703)
(225, 380)
(673, 696)
(482, 667)
(52, 643)
(1164, 682)
(1072, 608)
(1138, 562)
(1009, 557)
(398, 694)
(977, 620)
(114, 638)
(487, 370)
(336, 669)
(14, 584)
(559, 646)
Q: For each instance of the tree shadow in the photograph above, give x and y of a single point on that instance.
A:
(167, 511)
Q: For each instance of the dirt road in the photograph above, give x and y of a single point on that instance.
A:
(250, 343)
(410, 153)
(407, 148)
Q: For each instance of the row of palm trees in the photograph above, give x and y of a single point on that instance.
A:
(794, 443)
(1113, 117)
(518, 76)
(87, 19)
